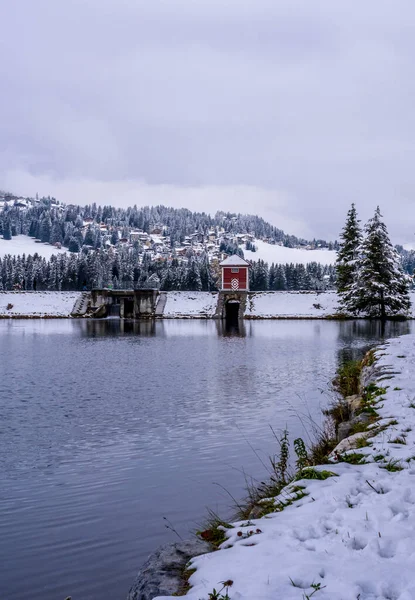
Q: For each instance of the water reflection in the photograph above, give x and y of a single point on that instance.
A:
(352, 333)
(231, 328)
(111, 327)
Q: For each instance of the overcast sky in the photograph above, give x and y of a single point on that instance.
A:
(289, 109)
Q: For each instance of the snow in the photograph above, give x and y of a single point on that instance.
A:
(260, 305)
(234, 261)
(352, 535)
(23, 244)
(268, 305)
(37, 304)
(190, 304)
(272, 253)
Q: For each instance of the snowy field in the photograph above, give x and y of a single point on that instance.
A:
(268, 305)
(271, 253)
(37, 304)
(260, 305)
(352, 537)
(190, 304)
(23, 244)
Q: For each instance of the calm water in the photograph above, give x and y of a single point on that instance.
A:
(106, 428)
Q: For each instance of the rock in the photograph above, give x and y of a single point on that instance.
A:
(161, 574)
(343, 430)
(350, 443)
(354, 403)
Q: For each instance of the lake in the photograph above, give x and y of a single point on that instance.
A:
(113, 434)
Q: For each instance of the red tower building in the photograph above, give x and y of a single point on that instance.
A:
(235, 274)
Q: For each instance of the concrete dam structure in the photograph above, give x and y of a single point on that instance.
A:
(223, 305)
(151, 303)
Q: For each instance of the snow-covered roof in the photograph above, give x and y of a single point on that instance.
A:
(234, 261)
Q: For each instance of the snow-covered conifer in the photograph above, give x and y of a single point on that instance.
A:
(379, 288)
(351, 238)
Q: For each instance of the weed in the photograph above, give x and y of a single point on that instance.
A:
(363, 443)
(397, 389)
(348, 378)
(393, 465)
(310, 473)
(379, 457)
(280, 467)
(185, 585)
(369, 359)
(325, 444)
(353, 458)
(358, 428)
(412, 405)
(401, 356)
(302, 455)
(219, 595)
(316, 587)
(213, 530)
(378, 491)
(339, 411)
(398, 440)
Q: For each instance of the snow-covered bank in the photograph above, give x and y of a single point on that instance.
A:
(190, 304)
(271, 305)
(348, 536)
(260, 305)
(37, 304)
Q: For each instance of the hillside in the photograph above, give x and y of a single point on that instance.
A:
(157, 247)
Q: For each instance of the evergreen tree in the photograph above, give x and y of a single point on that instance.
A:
(379, 288)
(7, 230)
(45, 230)
(73, 245)
(280, 282)
(193, 281)
(351, 238)
(56, 236)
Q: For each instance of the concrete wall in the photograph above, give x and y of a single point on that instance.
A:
(134, 304)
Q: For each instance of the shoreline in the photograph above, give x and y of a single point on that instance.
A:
(149, 305)
(202, 318)
(367, 461)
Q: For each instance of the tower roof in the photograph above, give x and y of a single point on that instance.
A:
(234, 261)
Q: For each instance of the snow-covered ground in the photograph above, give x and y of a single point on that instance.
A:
(190, 304)
(268, 305)
(260, 305)
(37, 304)
(23, 244)
(272, 253)
(352, 537)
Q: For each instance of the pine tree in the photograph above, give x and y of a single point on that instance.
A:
(45, 230)
(56, 236)
(348, 253)
(379, 288)
(7, 230)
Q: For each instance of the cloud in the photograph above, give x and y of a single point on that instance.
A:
(299, 100)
